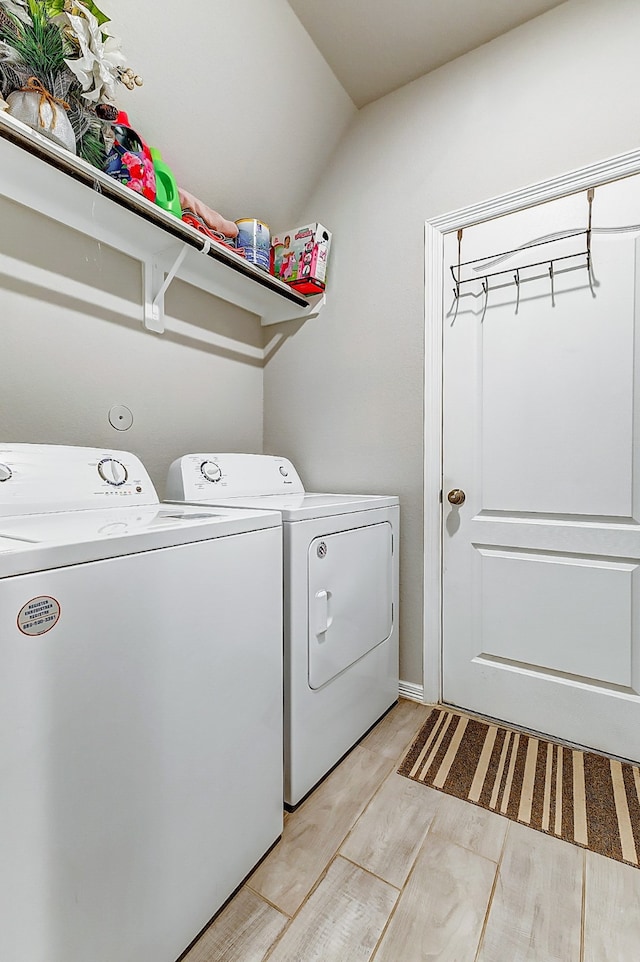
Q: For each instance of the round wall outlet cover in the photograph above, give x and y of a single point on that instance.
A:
(120, 417)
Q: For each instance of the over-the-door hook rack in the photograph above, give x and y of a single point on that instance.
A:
(480, 263)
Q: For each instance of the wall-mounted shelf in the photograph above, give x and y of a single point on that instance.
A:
(71, 191)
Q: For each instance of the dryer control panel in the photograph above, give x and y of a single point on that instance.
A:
(38, 478)
(208, 477)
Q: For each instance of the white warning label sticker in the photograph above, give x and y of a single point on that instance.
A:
(38, 615)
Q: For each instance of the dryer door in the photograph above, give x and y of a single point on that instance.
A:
(350, 601)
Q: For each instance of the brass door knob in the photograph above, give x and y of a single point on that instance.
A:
(456, 496)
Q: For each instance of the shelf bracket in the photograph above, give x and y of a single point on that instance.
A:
(316, 303)
(159, 271)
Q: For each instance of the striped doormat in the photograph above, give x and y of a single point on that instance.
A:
(584, 798)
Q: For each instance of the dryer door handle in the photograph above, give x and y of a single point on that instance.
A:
(323, 617)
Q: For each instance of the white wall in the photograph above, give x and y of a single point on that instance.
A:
(344, 393)
(227, 94)
(65, 362)
(238, 98)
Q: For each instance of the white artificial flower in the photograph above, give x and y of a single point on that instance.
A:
(8, 54)
(18, 8)
(97, 67)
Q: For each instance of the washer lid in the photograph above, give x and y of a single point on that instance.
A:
(7, 544)
(304, 507)
(39, 542)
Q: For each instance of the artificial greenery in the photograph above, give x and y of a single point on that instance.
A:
(39, 44)
(90, 144)
(39, 38)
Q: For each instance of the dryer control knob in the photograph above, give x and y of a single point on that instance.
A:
(112, 471)
(283, 471)
(211, 471)
(5, 472)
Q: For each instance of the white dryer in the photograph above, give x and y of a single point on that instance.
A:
(340, 602)
(140, 707)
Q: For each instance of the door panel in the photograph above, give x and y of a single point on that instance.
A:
(350, 598)
(540, 586)
(553, 612)
(557, 393)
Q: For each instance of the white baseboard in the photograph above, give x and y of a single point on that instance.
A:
(413, 692)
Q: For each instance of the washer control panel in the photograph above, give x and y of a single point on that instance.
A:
(202, 477)
(38, 478)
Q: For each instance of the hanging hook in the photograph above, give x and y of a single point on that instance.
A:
(455, 274)
(551, 278)
(516, 280)
(590, 196)
(457, 290)
(485, 288)
(590, 274)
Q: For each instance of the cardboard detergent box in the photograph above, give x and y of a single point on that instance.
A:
(299, 257)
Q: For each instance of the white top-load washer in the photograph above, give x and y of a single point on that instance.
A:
(140, 707)
(340, 601)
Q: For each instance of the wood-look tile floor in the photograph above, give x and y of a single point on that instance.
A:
(376, 867)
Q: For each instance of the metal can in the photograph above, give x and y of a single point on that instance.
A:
(254, 240)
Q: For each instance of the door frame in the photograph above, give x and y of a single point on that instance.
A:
(614, 168)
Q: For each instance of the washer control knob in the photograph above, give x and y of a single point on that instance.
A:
(211, 470)
(5, 472)
(283, 471)
(112, 471)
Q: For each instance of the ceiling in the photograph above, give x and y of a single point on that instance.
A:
(376, 46)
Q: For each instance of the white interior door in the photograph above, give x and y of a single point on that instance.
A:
(541, 563)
